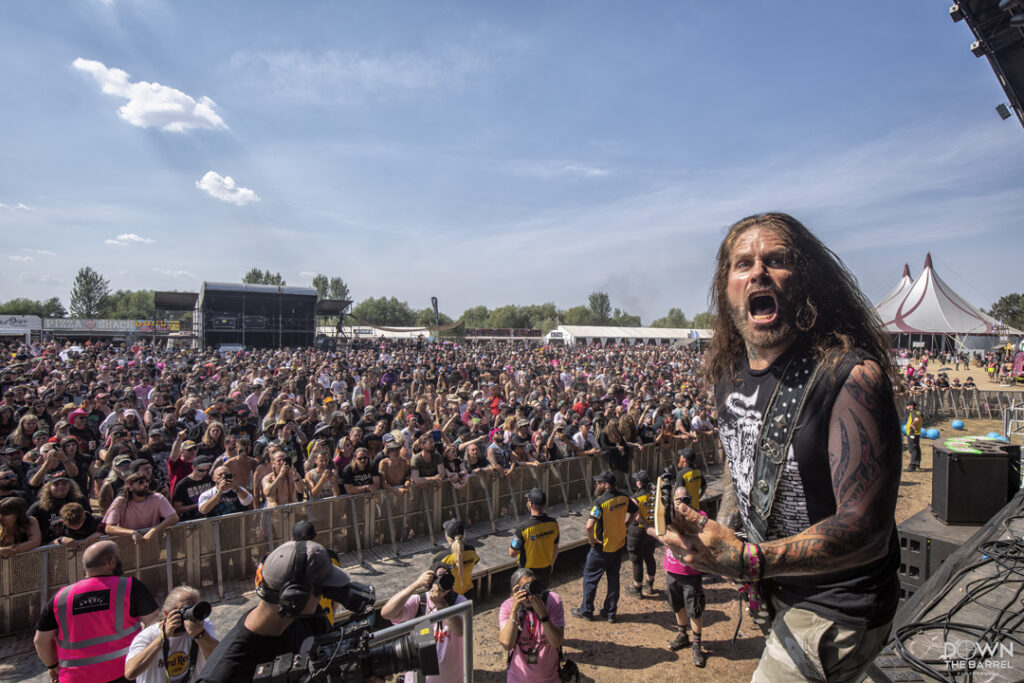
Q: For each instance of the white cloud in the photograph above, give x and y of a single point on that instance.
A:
(334, 74)
(39, 279)
(23, 259)
(176, 273)
(224, 188)
(151, 105)
(548, 170)
(127, 238)
(40, 252)
(17, 207)
(307, 273)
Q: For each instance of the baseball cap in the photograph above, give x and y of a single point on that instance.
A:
(139, 463)
(279, 567)
(687, 453)
(517, 440)
(605, 477)
(56, 475)
(454, 527)
(122, 460)
(40, 434)
(642, 477)
(202, 461)
(188, 445)
(156, 431)
(303, 531)
(536, 496)
(522, 423)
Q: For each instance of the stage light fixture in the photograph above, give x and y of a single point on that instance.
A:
(1009, 4)
(1017, 20)
(1003, 111)
(955, 13)
(977, 49)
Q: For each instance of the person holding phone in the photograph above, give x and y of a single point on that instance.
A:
(226, 496)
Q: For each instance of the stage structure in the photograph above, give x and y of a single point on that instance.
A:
(256, 316)
(998, 28)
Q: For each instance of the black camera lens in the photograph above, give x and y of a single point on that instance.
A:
(416, 651)
(196, 612)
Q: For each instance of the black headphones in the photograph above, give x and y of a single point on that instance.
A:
(292, 597)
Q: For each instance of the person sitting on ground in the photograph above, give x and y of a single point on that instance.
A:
(18, 531)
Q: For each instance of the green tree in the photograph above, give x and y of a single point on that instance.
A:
(385, 311)
(255, 276)
(338, 290)
(127, 304)
(425, 318)
(1009, 310)
(476, 316)
(601, 307)
(675, 319)
(89, 294)
(508, 316)
(578, 315)
(703, 321)
(541, 316)
(51, 308)
(623, 319)
(320, 284)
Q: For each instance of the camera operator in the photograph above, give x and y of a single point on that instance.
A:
(532, 625)
(175, 648)
(294, 576)
(437, 584)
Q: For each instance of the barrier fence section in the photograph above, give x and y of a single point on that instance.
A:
(214, 555)
(960, 403)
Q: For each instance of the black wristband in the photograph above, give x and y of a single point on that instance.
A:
(545, 619)
(53, 666)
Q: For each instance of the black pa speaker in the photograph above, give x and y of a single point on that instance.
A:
(972, 479)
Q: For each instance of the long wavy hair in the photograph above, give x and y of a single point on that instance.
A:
(832, 314)
(19, 533)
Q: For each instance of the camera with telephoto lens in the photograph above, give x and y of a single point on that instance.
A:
(346, 653)
(196, 612)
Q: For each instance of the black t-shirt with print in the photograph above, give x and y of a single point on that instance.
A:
(187, 492)
(857, 597)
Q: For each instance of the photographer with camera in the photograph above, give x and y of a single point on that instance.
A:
(437, 586)
(532, 626)
(294, 577)
(174, 649)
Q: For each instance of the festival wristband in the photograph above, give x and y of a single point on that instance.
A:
(754, 560)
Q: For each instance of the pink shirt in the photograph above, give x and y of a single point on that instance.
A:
(532, 638)
(449, 646)
(673, 565)
(133, 514)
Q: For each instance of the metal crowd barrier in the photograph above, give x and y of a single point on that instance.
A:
(960, 403)
(221, 554)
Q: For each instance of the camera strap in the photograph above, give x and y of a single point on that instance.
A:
(193, 655)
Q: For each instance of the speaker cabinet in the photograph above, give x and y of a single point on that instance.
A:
(973, 481)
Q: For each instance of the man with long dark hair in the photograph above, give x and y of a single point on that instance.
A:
(802, 375)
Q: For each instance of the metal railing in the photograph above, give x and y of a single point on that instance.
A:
(960, 403)
(214, 555)
(465, 609)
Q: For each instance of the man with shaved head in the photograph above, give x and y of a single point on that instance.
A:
(103, 606)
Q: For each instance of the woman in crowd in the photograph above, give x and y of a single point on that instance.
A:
(212, 443)
(22, 435)
(460, 556)
(18, 531)
(321, 477)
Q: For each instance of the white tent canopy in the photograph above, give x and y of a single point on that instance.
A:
(888, 306)
(607, 334)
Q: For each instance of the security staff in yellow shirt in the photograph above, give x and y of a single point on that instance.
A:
(638, 543)
(690, 477)
(535, 542)
(606, 531)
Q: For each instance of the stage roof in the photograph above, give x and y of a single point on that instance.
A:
(1000, 37)
(332, 306)
(257, 289)
(175, 301)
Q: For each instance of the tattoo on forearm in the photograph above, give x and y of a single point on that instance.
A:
(865, 481)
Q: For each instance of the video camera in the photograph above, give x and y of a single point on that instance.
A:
(346, 654)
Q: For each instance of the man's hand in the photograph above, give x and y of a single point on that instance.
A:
(538, 606)
(713, 550)
(138, 538)
(518, 598)
(425, 581)
(194, 628)
(173, 624)
(149, 535)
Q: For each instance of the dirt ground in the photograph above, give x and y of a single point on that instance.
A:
(635, 648)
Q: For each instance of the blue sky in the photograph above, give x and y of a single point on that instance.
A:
(495, 153)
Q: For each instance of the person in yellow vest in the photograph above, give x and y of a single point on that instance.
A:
(690, 477)
(913, 428)
(535, 542)
(460, 556)
(84, 634)
(639, 545)
(606, 531)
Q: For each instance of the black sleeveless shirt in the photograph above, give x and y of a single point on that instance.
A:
(862, 597)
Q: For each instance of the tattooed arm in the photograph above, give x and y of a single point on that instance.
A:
(728, 511)
(865, 464)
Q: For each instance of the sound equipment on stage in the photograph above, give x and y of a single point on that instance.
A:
(973, 478)
(925, 543)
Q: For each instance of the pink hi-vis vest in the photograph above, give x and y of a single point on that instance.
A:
(94, 628)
